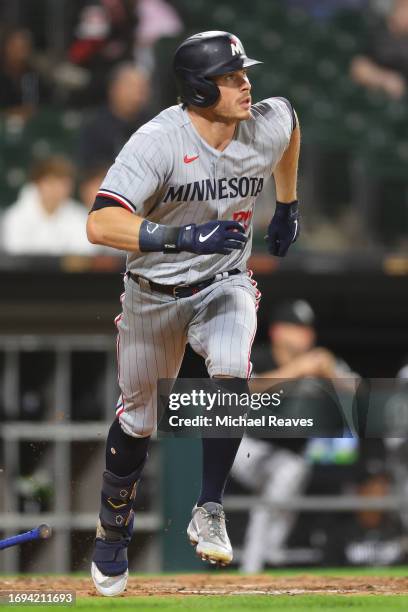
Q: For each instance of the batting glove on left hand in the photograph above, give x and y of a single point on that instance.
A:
(283, 229)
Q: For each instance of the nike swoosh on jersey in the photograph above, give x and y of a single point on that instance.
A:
(202, 238)
(188, 160)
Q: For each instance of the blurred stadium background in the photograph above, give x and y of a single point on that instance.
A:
(57, 345)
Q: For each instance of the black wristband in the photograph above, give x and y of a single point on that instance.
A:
(287, 209)
(154, 237)
(287, 203)
(170, 240)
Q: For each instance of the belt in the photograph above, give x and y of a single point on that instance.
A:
(179, 291)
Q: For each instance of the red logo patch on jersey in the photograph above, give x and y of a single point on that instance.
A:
(188, 160)
(244, 217)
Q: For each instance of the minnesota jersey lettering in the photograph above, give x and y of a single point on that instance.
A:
(215, 189)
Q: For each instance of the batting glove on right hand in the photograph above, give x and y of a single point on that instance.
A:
(283, 229)
(213, 237)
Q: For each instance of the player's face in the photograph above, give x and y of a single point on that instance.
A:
(398, 18)
(234, 103)
(129, 92)
(290, 341)
(54, 190)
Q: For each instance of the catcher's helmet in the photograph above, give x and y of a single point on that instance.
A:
(205, 55)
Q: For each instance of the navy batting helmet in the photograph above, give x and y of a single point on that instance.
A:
(205, 55)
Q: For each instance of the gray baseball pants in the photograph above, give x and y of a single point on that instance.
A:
(219, 322)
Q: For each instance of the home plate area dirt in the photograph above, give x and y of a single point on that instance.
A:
(221, 584)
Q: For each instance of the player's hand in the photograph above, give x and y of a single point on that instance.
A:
(213, 237)
(318, 362)
(394, 84)
(283, 229)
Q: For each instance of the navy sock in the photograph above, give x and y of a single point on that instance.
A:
(219, 453)
(124, 453)
(218, 457)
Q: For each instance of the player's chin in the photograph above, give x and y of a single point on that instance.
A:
(243, 113)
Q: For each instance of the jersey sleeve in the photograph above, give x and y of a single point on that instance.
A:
(138, 173)
(278, 120)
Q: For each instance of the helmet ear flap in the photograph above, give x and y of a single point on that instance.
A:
(199, 91)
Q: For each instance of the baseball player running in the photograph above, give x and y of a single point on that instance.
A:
(179, 199)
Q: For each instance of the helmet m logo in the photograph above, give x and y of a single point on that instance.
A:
(236, 47)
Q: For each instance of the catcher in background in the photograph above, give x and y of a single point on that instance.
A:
(277, 469)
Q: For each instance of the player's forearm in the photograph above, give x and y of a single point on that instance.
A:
(115, 228)
(261, 383)
(286, 171)
(317, 362)
(366, 72)
(291, 370)
(369, 74)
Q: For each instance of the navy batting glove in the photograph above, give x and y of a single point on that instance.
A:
(283, 229)
(213, 237)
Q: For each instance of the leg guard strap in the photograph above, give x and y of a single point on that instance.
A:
(117, 499)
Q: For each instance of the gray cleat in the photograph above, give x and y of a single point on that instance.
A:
(207, 531)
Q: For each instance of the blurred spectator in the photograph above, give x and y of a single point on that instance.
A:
(108, 32)
(22, 88)
(103, 36)
(45, 220)
(102, 137)
(157, 18)
(277, 469)
(291, 351)
(384, 63)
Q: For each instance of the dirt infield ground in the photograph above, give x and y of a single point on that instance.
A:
(223, 584)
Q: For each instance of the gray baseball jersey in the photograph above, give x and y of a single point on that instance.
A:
(168, 174)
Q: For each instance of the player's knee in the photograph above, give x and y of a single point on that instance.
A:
(137, 429)
(234, 370)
